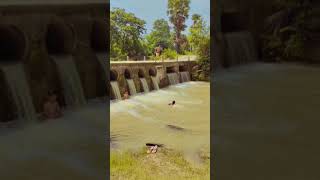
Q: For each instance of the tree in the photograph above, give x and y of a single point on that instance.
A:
(199, 32)
(287, 31)
(160, 35)
(126, 33)
(178, 11)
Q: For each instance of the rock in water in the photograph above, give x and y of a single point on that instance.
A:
(175, 127)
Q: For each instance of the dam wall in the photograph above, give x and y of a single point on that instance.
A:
(35, 35)
(122, 70)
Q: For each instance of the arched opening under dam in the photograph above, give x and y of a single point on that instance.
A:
(60, 43)
(114, 85)
(130, 82)
(143, 81)
(15, 97)
(60, 38)
(153, 72)
(232, 22)
(13, 43)
(113, 75)
(128, 74)
(183, 68)
(171, 69)
(155, 80)
(141, 73)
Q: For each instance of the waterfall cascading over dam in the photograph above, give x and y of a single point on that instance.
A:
(240, 48)
(155, 81)
(173, 78)
(102, 58)
(157, 75)
(185, 76)
(69, 76)
(132, 87)
(115, 89)
(144, 85)
(19, 89)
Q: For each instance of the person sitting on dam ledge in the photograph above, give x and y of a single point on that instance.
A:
(51, 107)
(125, 95)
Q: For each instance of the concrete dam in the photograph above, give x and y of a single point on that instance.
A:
(47, 47)
(144, 76)
(63, 47)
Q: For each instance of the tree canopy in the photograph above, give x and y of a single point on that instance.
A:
(160, 35)
(126, 33)
(199, 32)
(178, 11)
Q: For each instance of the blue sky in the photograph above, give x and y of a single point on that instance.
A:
(150, 10)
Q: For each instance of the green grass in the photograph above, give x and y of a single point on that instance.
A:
(164, 165)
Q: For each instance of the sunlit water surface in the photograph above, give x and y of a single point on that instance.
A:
(266, 122)
(144, 118)
(73, 147)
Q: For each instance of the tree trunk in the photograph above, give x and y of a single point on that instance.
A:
(178, 41)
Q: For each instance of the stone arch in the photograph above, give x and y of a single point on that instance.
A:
(171, 69)
(13, 43)
(113, 75)
(153, 72)
(60, 38)
(183, 68)
(141, 73)
(128, 74)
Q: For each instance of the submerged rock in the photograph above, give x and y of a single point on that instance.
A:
(175, 127)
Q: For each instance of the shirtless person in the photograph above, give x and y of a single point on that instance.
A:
(126, 95)
(51, 107)
(158, 50)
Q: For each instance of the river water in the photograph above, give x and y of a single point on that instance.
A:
(266, 122)
(72, 147)
(145, 118)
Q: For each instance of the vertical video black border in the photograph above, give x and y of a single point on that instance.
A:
(214, 31)
(108, 119)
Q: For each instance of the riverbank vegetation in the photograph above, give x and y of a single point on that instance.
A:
(288, 30)
(165, 164)
(129, 37)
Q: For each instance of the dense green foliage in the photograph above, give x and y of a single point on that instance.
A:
(287, 33)
(178, 11)
(203, 73)
(126, 34)
(199, 39)
(160, 35)
(199, 32)
(128, 38)
(169, 54)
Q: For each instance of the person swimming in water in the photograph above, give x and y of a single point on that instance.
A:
(172, 103)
